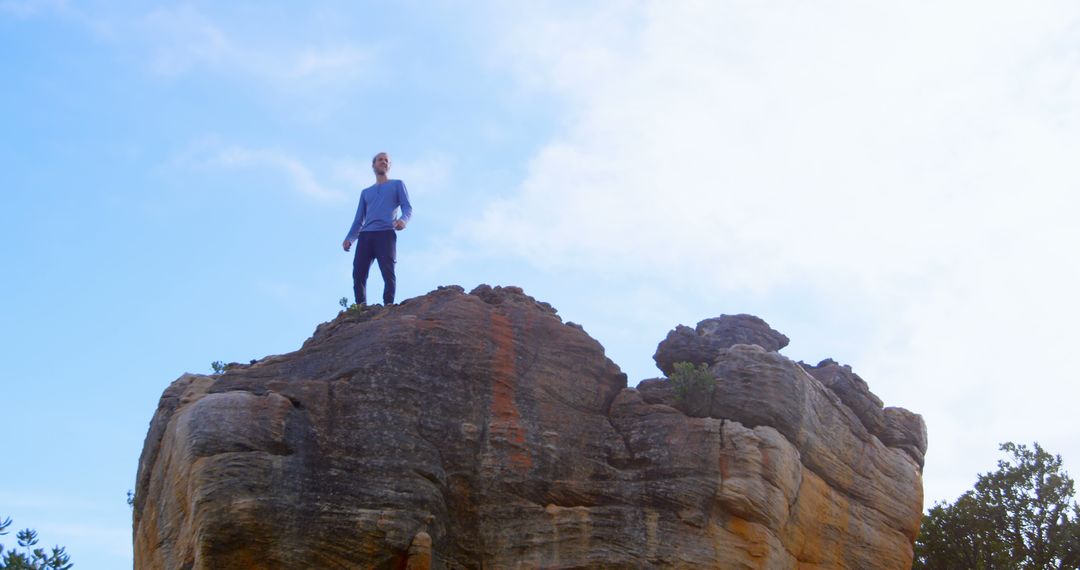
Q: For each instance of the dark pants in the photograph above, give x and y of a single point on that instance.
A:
(371, 246)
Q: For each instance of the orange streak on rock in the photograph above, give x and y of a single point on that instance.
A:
(505, 420)
(755, 539)
(824, 517)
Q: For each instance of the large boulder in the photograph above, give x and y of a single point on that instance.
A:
(702, 344)
(480, 431)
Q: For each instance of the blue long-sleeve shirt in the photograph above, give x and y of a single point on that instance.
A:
(377, 206)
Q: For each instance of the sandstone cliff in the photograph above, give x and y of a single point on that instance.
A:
(480, 431)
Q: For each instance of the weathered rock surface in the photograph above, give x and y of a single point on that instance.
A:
(895, 427)
(703, 344)
(480, 431)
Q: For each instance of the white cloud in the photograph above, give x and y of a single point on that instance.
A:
(210, 152)
(332, 62)
(334, 179)
(773, 134)
(183, 39)
(178, 41)
(916, 161)
(301, 177)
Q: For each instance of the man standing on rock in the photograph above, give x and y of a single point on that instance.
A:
(374, 227)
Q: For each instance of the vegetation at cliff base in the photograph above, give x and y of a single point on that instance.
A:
(1022, 516)
(28, 556)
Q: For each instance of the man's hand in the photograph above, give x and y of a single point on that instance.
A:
(346, 245)
(399, 225)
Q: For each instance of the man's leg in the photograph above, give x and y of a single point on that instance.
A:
(365, 254)
(386, 253)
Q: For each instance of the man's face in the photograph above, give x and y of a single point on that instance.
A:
(381, 164)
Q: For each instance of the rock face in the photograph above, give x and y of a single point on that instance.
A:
(479, 431)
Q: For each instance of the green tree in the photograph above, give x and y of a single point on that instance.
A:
(958, 536)
(1022, 515)
(693, 387)
(31, 557)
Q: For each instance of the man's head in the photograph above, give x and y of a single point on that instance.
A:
(380, 163)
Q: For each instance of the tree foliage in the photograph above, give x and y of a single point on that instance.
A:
(689, 380)
(693, 386)
(29, 556)
(1022, 516)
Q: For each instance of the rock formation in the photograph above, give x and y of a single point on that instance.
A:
(480, 431)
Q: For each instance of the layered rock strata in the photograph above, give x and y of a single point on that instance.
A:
(480, 431)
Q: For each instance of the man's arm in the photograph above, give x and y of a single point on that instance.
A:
(406, 207)
(358, 221)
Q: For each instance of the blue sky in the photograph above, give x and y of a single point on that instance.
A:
(892, 187)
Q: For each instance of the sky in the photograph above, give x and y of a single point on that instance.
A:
(891, 185)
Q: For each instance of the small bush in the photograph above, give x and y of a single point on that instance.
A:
(218, 366)
(353, 308)
(692, 384)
